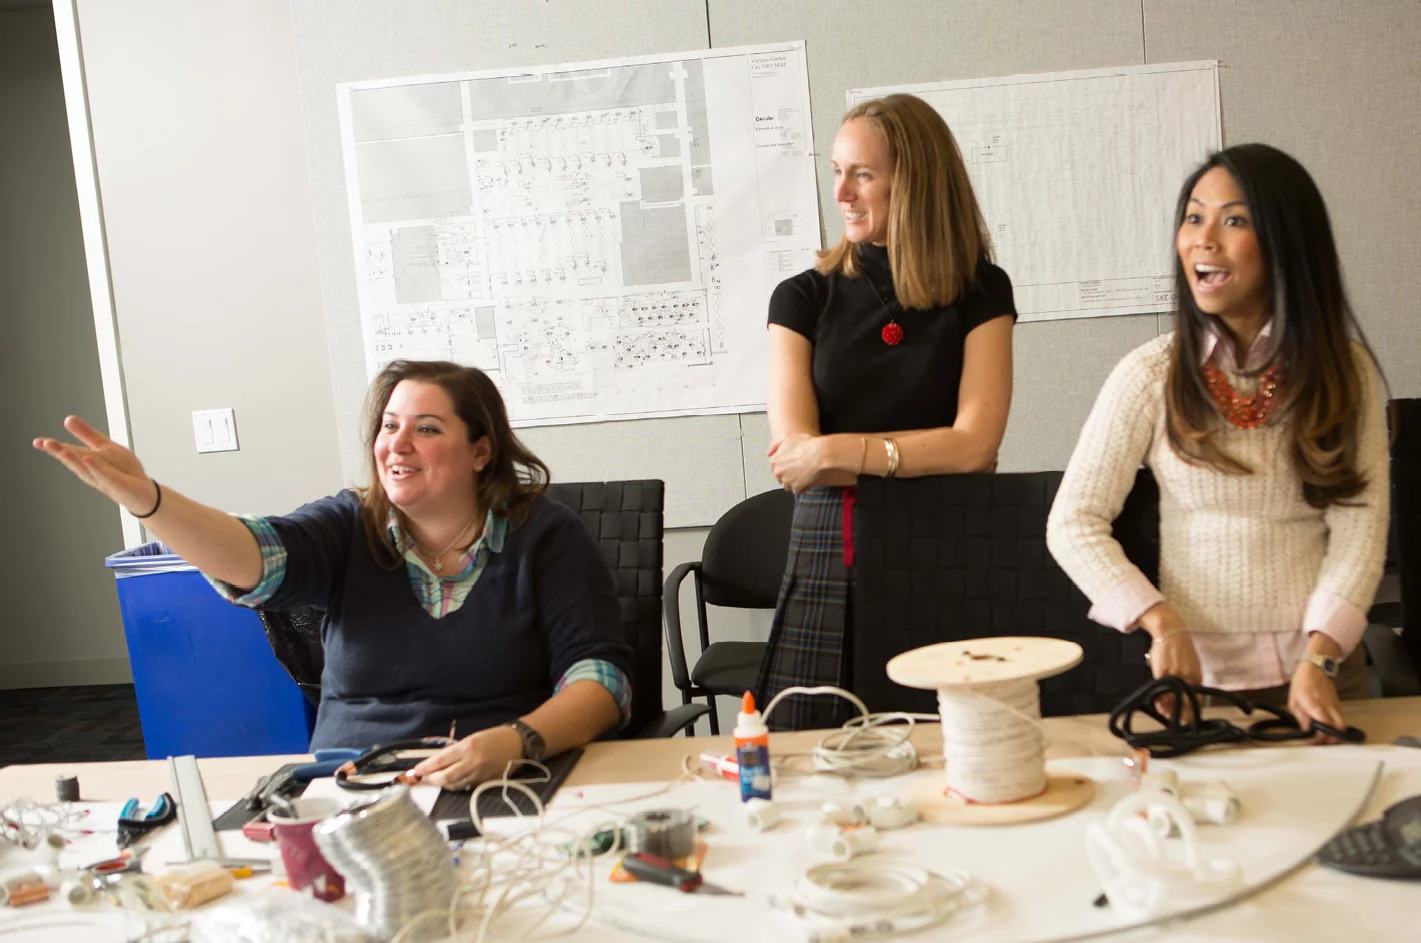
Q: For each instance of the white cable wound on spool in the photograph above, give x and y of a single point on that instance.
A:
(992, 742)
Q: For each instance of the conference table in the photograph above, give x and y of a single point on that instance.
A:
(1310, 903)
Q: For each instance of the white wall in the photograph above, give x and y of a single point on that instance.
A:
(61, 623)
(196, 115)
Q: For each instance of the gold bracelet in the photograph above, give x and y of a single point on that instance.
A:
(1167, 635)
(863, 455)
(891, 448)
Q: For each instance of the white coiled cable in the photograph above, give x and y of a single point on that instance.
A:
(849, 900)
(869, 745)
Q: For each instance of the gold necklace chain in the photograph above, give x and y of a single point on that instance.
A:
(438, 565)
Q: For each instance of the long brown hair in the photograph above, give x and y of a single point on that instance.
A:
(1322, 390)
(513, 477)
(936, 234)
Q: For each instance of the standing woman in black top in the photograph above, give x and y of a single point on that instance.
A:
(891, 357)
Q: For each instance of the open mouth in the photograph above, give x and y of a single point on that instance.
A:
(1210, 276)
(399, 471)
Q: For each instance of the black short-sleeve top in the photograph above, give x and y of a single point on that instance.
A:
(861, 383)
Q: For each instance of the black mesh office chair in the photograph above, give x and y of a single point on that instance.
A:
(953, 557)
(741, 567)
(625, 518)
(295, 637)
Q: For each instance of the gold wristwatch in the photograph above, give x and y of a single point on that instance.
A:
(1324, 663)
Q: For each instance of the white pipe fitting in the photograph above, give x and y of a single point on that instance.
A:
(762, 815)
(886, 813)
(843, 814)
(1213, 802)
(843, 844)
(1165, 780)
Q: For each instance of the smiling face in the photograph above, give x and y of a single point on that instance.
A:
(422, 451)
(1218, 247)
(863, 180)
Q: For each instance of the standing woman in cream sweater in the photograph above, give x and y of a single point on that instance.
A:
(1263, 422)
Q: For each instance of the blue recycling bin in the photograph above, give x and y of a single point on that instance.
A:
(206, 679)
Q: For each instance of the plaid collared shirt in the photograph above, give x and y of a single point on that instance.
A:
(438, 595)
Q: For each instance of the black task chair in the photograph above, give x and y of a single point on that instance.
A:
(625, 518)
(741, 567)
(295, 637)
(1395, 658)
(952, 557)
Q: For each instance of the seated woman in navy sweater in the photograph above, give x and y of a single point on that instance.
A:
(455, 591)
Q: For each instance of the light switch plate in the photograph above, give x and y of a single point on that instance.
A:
(215, 430)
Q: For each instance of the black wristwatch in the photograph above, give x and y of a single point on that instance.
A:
(533, 745)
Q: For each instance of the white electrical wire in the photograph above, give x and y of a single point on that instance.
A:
(854, 899)
(870, 745)
(510, 886)
(26, 822)
(992, 741)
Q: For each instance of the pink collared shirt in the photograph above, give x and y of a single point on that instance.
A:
(1241, 661)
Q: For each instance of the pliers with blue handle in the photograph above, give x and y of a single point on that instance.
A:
(131, 826)
(327, 762)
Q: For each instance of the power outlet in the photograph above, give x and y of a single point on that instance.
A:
(215, 430)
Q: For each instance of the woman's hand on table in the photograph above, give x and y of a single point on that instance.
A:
(1171, 652)
(474, 759)
(1312, 695)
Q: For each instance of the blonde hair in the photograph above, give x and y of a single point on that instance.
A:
(936, 234)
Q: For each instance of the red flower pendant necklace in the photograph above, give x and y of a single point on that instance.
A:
(892, 332)
(1246, 412)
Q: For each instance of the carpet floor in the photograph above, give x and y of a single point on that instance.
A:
(81, 724)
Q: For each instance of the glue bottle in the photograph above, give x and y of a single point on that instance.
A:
(752, 751)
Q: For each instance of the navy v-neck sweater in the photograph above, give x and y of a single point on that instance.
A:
(543, 603)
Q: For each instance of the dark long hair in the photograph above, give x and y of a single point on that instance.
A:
(513, 477)
(1313, 328)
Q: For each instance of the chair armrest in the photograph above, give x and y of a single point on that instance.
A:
(671, 722)
(671, 606)
(1391, 665)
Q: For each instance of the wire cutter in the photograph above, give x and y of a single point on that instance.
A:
(132, 827)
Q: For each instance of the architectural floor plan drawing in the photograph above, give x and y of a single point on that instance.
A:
(1077, 175)
(601, 238)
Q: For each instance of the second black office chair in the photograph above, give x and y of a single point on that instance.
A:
(741, 567)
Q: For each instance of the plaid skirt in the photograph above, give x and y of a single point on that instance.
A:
(810, 635)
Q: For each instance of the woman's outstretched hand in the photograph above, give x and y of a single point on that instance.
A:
(102, 463)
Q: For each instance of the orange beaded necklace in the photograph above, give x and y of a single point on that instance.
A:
(1246, 412)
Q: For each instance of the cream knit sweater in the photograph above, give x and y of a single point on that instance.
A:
(1238, 554)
